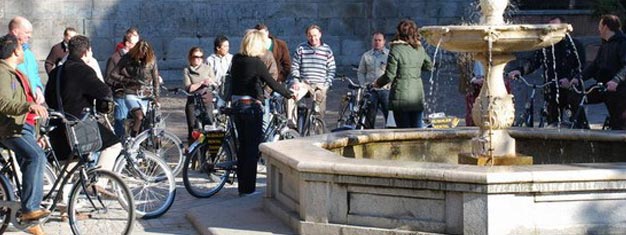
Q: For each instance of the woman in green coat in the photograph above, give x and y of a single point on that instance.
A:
(407, 59)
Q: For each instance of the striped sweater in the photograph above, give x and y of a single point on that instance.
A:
(313, 64)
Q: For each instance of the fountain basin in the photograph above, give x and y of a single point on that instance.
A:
(408, 182)
(505, 38)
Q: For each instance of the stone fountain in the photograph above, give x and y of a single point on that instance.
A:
(493, 43)
(409, 181)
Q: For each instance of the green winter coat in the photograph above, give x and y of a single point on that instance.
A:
(404, 71)
(13, 105)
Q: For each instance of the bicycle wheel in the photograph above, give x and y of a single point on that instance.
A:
(344, 114)
(49, 177)
(316, 127)
(165, 144)
(5, 195)
(102, 202)
(150, 181)
(203, 174)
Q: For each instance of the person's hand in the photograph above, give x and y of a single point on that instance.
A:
(611, 86)
(513, 74)
(39, 110)
(374, 85)
(42, 143)
(39, 97)
(574, 82)
(478, 81)
(564, 83)
(295, 86)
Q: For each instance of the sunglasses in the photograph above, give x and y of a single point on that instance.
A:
(197, 57)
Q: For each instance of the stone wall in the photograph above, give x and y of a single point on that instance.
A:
(173, 26)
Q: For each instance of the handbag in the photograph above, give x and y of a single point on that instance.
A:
(83, 135)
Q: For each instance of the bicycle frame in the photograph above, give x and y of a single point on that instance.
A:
(527, 117)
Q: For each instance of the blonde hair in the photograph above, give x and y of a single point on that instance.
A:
(253, 43)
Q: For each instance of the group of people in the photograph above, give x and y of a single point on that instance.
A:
(563, 65)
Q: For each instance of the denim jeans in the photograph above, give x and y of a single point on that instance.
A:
(379, 100)
(410, 119)
(32, 161)
(249, 121)
(120, 113)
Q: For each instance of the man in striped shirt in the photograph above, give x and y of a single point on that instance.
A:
(312, 69)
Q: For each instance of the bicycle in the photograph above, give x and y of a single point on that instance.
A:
(354, 107)
(581, 111)
(155, 138)
(277, 128)
(148, 177)
(310, 120)
(211, 159)
(527, 118)
(95, 193)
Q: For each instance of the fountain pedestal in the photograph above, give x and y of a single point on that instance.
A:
(494, 111)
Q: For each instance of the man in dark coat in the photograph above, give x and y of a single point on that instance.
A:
(79, 88)
(609, 68)
(59, 50)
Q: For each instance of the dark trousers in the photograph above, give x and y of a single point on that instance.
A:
(555, 109)
(379, 100)
(408, 119)
(615, 103)
(249, 122)
(191, 117)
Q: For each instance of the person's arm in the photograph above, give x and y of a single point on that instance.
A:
(285, 60)
(50, 62)
(95, 88)
(295, 63)
(8, 105)
(390, 72)
(156, 81)
(362, 70)
(427, 65)
(267, 78)
(330, 67)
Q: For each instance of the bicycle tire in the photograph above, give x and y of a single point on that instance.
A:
(204, 178)
(169, 148)
(317, 126)
(92, 220)
(344, 114)
(153, 189)
(6, 194)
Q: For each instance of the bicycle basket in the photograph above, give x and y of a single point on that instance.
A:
(84, 136)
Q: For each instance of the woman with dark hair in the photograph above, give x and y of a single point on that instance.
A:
(248, 73)
(138, 73)
(407, 59)
(195, 75)
(221, 58)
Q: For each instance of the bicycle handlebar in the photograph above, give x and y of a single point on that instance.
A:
(181, 90)
(598, 86)
(351, 82)
(534, 86)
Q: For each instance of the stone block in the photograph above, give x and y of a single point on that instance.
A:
(297, 10)
(98, 28)
(384, 8)
(178, 47)
(351, 47)
(105, 9)
(342, 10)
(102, 48)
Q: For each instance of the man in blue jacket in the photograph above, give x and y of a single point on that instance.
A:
(21, 28)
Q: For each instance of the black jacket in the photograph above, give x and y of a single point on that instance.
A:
(610, 62)
(570, 60)
(79, 88)
(248, 74)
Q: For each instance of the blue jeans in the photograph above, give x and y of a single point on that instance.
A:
(120, 114)
(379, 100)
(32, 161)
(410, 119)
